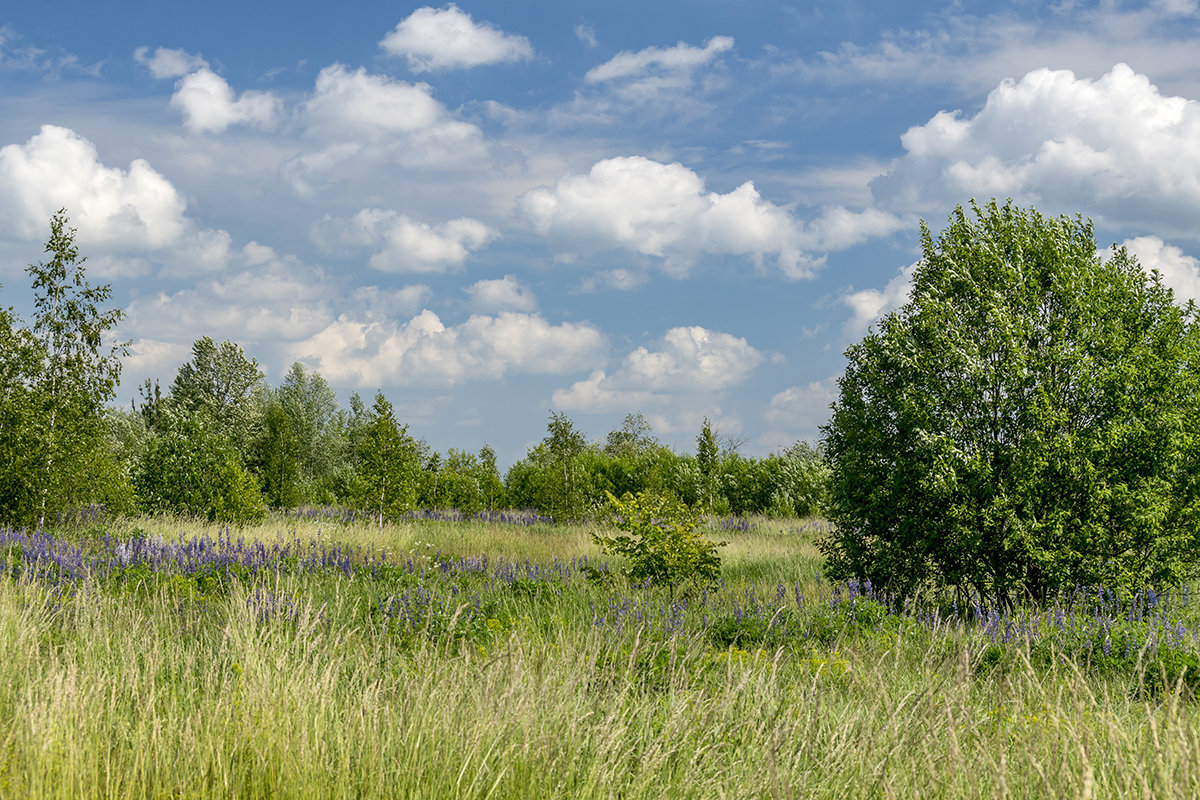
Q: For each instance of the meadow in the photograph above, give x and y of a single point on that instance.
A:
(312, 656)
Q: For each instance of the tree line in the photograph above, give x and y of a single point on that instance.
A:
(1026, 424)
(221, 443)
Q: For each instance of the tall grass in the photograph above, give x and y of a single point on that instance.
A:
(323, 683)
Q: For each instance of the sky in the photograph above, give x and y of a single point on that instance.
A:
(492, 211)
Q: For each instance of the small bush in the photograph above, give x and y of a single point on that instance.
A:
(661, 544)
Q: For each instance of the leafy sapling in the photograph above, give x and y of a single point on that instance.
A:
(660, 542)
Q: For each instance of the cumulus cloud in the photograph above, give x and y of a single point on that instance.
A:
(801, 409)
(425, 351)
(377, 121)
(169, 63)
(692, 358)
(198, 253)
(268, 299)
(377, 303)
(448, 38)
(374, 105)
(407, 245)
(663, 210)
(504, 294)
(686, 361)
(208, 104)
(361, 127)
(1180, 272)
(1114, 148)
(871, 305)
(154, 357)
(114, 208)
(597, 394)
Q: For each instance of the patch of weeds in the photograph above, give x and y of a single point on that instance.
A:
(738, 630)
(530, 589)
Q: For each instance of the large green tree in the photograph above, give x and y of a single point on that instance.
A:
(220, 382)
(301, 443)
(1026, 422)
(55, 379)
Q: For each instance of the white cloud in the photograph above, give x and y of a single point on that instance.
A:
(1113, 148)
(686, 363)
(154, 357)
(595, 394)
(663, 210)
(208, 105)
(801, 409)
(363, 131)
(1175, 8)
(447, 38)
(268, 301)
(111, 207)
(379, 122)
(586, 34)
(169, 63)
(425, 351)
(975, 52)
(407, 245)
(692, 358)
(201, 252)
(374, 105)
(870, 305)
(118, 267)
(1180, 272)
(14, 55)
(503, 294)
(377, 303)
(678, 60)
(621, 279)
(660, 82)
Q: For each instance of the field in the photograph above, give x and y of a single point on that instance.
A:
(309, 658)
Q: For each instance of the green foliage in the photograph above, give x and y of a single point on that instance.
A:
(564, 446)
(553, 477)
(1026, 422)
(300, 444)
(387, 463)
(54, 380)
(708, 462)
(802, 481)
(661, 543)
(319, 425)
(192, 468)
(220, 381)
(567, 478)
(277, 458)
(462, 480)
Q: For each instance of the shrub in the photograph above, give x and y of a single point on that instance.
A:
(661, 545)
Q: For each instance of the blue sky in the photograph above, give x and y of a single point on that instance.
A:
(495, 210)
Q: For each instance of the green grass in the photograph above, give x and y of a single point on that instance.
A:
(154, 688)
